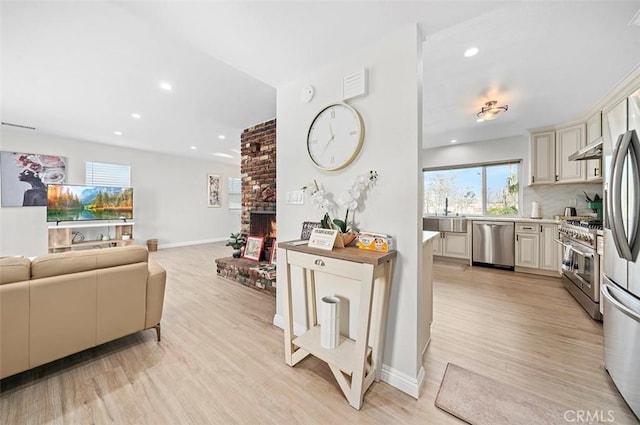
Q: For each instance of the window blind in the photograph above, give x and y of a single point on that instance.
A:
(235, 193)
(104, 174)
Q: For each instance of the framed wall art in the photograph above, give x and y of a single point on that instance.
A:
(253, 248)
(25, 177)
(274, 252)
(213, 191)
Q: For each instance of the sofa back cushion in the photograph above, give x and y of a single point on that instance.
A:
(14, 269)
(81, 261)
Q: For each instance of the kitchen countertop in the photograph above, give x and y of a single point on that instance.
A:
(502, 218)
(427, 235)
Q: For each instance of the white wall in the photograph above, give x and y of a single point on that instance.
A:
(170, 201)
(392, 147)
(552, 198)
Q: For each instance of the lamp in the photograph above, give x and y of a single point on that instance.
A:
(490, 111)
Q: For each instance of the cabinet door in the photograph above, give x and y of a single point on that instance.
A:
(455, 245)
(570, 140)
(550, 251)
(542, 167)
(437, 245)
(527, 248)
(594, 132)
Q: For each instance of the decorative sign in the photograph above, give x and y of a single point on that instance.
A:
(307, 227)
(325, 239)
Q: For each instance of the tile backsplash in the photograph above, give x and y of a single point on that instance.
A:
(554, 198)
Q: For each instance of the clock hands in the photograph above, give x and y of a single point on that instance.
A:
(330, 140)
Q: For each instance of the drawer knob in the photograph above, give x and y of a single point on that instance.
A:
(319, 262)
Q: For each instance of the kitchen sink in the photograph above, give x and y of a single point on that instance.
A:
(445, 224)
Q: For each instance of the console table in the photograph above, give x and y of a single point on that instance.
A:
(354, 363)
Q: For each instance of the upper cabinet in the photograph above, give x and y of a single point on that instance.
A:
(550, 152)
(594, 132)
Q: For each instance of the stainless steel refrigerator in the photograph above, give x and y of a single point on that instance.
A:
(621, 286)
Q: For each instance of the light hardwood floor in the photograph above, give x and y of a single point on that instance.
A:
(221, 360)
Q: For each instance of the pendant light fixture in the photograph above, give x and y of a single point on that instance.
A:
(490, 110)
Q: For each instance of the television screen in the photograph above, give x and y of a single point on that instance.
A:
(69, 203)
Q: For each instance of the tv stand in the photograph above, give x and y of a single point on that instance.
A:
(61, 235)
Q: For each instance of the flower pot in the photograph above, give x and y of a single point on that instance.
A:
(236, 253)
(348, 238)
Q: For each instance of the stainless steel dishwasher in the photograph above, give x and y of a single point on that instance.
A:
(493, 244)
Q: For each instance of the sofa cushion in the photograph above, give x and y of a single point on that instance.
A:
(14, 269)
(80, 261)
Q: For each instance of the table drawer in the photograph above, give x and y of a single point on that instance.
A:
(327, 265)
(527, 228)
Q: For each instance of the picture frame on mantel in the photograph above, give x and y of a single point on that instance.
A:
(213, 191)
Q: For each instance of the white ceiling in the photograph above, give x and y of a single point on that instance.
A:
(79, 69)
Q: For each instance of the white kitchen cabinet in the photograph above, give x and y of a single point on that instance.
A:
(542, 165)
(594, 132)
(455, 245)
(527, 245)
(550, 251)
(452, 244)
(550, 156)
(568, 141)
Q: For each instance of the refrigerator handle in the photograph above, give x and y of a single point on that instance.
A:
(615, 197)
(634, 210)
(609, 293)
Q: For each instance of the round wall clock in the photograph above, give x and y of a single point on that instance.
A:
(335, 137)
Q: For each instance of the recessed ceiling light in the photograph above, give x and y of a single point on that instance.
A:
(166, 86)
(118, 133)
(193, 148)
(453, 141)
(479, 120)
(222, 137)
(472, 51)
(223, 155)
(136, 116)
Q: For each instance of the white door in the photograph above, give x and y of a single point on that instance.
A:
(543, 158)
(570, 140)
(455, 245)
(527, 248)
(550, 251)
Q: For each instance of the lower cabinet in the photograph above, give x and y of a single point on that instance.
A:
(536, 247)
(454, 245)
(550, 252)
(527, 250)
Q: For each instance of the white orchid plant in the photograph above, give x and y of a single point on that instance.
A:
(349, 199)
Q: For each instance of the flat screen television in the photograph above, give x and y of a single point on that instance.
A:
(67, 202)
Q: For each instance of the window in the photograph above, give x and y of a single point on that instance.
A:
(235, 193)
(485, 189)
(102, 174)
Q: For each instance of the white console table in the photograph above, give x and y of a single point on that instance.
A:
(354, 363)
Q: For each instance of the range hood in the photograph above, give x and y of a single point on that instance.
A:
(591, 151)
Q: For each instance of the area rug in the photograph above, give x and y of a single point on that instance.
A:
(479, 400)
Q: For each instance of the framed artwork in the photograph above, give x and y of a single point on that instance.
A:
(274, 252)
(253, 248)
(25, 176)
(213, 191)
(307, 228)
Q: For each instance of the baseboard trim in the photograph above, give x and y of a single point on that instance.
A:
(391, 376)
(298, 329)
(402, 381)
(189, 243)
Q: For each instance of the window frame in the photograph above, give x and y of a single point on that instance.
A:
(231, 193)
(483, 190)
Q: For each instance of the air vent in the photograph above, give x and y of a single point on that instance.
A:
(10, 124)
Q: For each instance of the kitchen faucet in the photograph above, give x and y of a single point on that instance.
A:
(446, 206)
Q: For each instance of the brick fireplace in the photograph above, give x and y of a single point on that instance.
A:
(258, 170)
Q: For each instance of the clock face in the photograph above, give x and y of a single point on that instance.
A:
(335, 137)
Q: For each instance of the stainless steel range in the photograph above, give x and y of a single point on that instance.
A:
(581, 262)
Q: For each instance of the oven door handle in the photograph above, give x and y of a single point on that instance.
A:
(573, 249)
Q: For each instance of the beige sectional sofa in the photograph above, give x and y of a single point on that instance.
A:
(60, 304)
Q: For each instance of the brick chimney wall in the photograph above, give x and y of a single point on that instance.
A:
(258, 170)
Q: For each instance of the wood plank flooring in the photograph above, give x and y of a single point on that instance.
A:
(221, 360)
